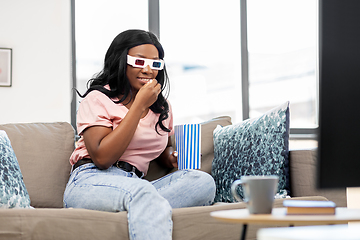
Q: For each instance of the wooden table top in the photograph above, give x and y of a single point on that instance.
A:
(279, 217)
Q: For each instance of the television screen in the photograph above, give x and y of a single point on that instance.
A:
(339, 94)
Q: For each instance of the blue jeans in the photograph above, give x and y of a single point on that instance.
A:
(149, 204)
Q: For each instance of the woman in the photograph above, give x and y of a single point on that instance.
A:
(125, 122)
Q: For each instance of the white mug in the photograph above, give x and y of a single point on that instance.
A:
(259, 192)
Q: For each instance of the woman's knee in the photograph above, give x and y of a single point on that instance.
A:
(145, 190)
(204, 183)
(202, 177)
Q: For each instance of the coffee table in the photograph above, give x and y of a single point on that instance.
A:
(279, 217)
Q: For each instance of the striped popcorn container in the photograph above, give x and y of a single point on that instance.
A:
(188, 146)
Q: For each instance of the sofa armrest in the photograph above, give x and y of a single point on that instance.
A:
(303, 178)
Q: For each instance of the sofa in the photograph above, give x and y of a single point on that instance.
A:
(43, 150)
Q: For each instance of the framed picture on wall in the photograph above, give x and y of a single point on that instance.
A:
(5, 67)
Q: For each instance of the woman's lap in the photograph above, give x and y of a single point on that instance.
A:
(115, 190)
(107, 190)
(96, 189)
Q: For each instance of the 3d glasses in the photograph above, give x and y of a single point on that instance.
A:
(143, 62)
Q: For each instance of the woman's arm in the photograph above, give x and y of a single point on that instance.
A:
(168, 158)
(105, 145)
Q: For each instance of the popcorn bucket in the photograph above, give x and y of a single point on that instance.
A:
(188, 146)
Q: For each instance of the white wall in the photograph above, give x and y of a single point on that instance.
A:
(353, 201)
(39, 33)
(353, 197)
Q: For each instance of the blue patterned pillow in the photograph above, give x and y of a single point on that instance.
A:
(253, 147)
(13, 193)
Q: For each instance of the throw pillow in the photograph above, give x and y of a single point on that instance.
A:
(258, 146)
(13, 193)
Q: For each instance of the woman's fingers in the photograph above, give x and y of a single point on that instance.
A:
(154, 83)
(148, 94)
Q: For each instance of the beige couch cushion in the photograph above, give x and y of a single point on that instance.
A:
(207, 140)
(43, 151)
(303, 178)
(66, 224)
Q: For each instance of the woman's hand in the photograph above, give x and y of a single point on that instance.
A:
(173, 159)
(148, 94)
(168, 158)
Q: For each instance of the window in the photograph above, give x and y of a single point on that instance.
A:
(202, 54)
(282, 49)
(96, 24)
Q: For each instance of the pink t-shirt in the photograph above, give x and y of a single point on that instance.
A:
(97, 109)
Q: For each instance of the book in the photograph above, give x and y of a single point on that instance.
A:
(307, 207)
